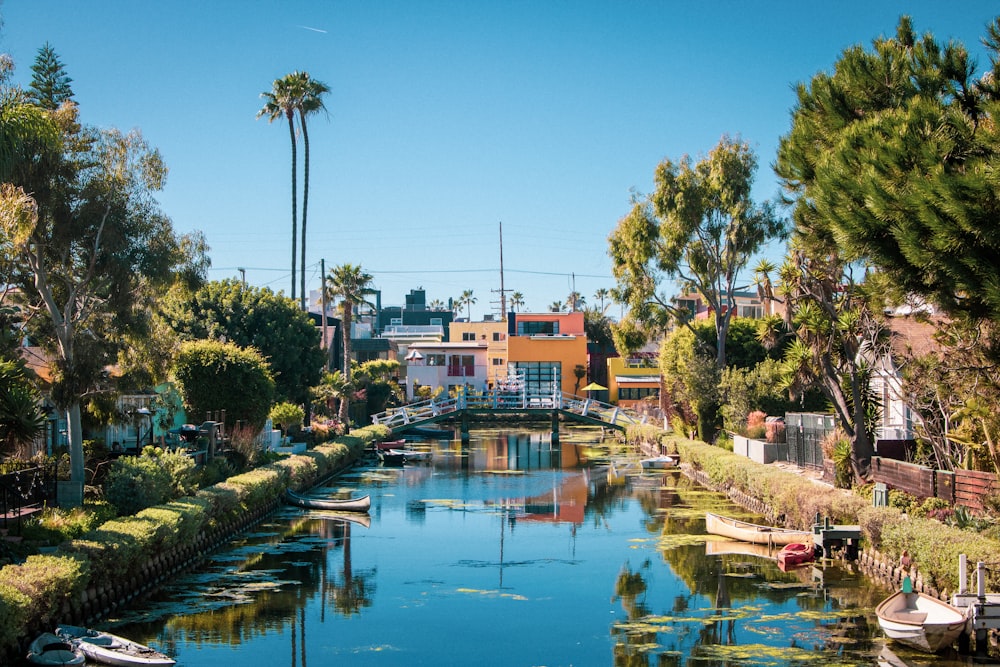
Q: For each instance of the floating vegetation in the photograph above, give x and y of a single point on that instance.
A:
(762, 654)
(674, 540)
(491, 593)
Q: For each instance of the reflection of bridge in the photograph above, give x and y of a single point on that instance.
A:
(505, 403)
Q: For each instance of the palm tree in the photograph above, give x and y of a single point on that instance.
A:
(436, 304)
(349, 285)
(516, 301)
(556, 307)
(466, 300)
(602, 294)
(310, 103)
(574, 300)
(281, 101)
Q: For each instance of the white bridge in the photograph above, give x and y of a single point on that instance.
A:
(500, 401)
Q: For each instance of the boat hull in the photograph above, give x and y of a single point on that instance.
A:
(49, 649)
(659, 463)
(109, 649)
(920, 621)
(362, 504)
(716, 524)
(795, 554)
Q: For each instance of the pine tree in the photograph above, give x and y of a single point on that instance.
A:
(49, 81)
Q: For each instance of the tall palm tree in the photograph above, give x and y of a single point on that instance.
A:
(555, 307)
(310, 103)
(281, 101)
(516, 301)
(466, 301)
(575, 300)
(349, 285)
(602, 294)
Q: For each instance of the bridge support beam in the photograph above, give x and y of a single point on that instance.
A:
(555, 427)
(464, 428)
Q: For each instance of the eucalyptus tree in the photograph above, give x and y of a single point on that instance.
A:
(93, 248)
(887, 165)
(50, 84)
(700, 228)
(349, 286)
(282, 101)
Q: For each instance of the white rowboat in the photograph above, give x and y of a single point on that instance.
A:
(716, 524)
(109, 649)
(920, 621)
(362, 504)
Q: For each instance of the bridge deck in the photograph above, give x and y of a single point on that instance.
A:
(497, 402)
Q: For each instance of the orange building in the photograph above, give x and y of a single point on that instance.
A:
(546, 348)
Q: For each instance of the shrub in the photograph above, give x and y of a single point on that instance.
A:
(931, 507)
(47, 581)
(14, 607)
(755, 425)
(137, 482)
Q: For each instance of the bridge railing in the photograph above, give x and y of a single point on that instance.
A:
(500, 401)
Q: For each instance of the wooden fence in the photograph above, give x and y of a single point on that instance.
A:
(962, 487)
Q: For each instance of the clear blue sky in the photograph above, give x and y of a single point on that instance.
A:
(446, 118)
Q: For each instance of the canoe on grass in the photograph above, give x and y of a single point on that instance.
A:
(920, 621)
(48, 649)
(361, 504)
(717, 524)
(109, 649)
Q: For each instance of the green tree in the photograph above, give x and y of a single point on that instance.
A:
(556, 307)
(350, 286)
(92, 249)
(206, 372)
(700, 227)
(885, 166)
(310, 103)
(257, 318)
(50, 85)
(282, 101)
(891, 158)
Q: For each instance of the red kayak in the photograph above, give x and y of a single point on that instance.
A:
(795, 554)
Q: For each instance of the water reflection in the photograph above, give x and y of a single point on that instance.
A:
(510, 550)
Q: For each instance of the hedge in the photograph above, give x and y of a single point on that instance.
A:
(32, 594)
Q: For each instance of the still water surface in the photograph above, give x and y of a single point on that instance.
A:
(510, 552)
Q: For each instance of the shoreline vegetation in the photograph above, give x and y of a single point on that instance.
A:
(86, 578)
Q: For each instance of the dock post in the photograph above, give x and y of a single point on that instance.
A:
(465, 428)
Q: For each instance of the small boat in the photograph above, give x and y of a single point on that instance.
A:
(49, 649)
(920, 621)
(361, 504)
(660, 462)
(391, 457)
(110, 649)
(794, 554)
(751, 532)
(386, 445)
(412, 454)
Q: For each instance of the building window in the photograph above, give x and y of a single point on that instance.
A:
(396, 321)
(468, 335)
(435, 359)
(497, 336)
(461, 365)
(498, 361)
(689, 305)
(637, 393)
(540, 377)
(437, 321)
(755, 312)
(531, 328)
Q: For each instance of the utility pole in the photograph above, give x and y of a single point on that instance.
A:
(502, 291)
(243, 276)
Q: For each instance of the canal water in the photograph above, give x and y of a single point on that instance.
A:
(511, 551)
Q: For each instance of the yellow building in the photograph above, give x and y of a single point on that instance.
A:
(632, 381)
